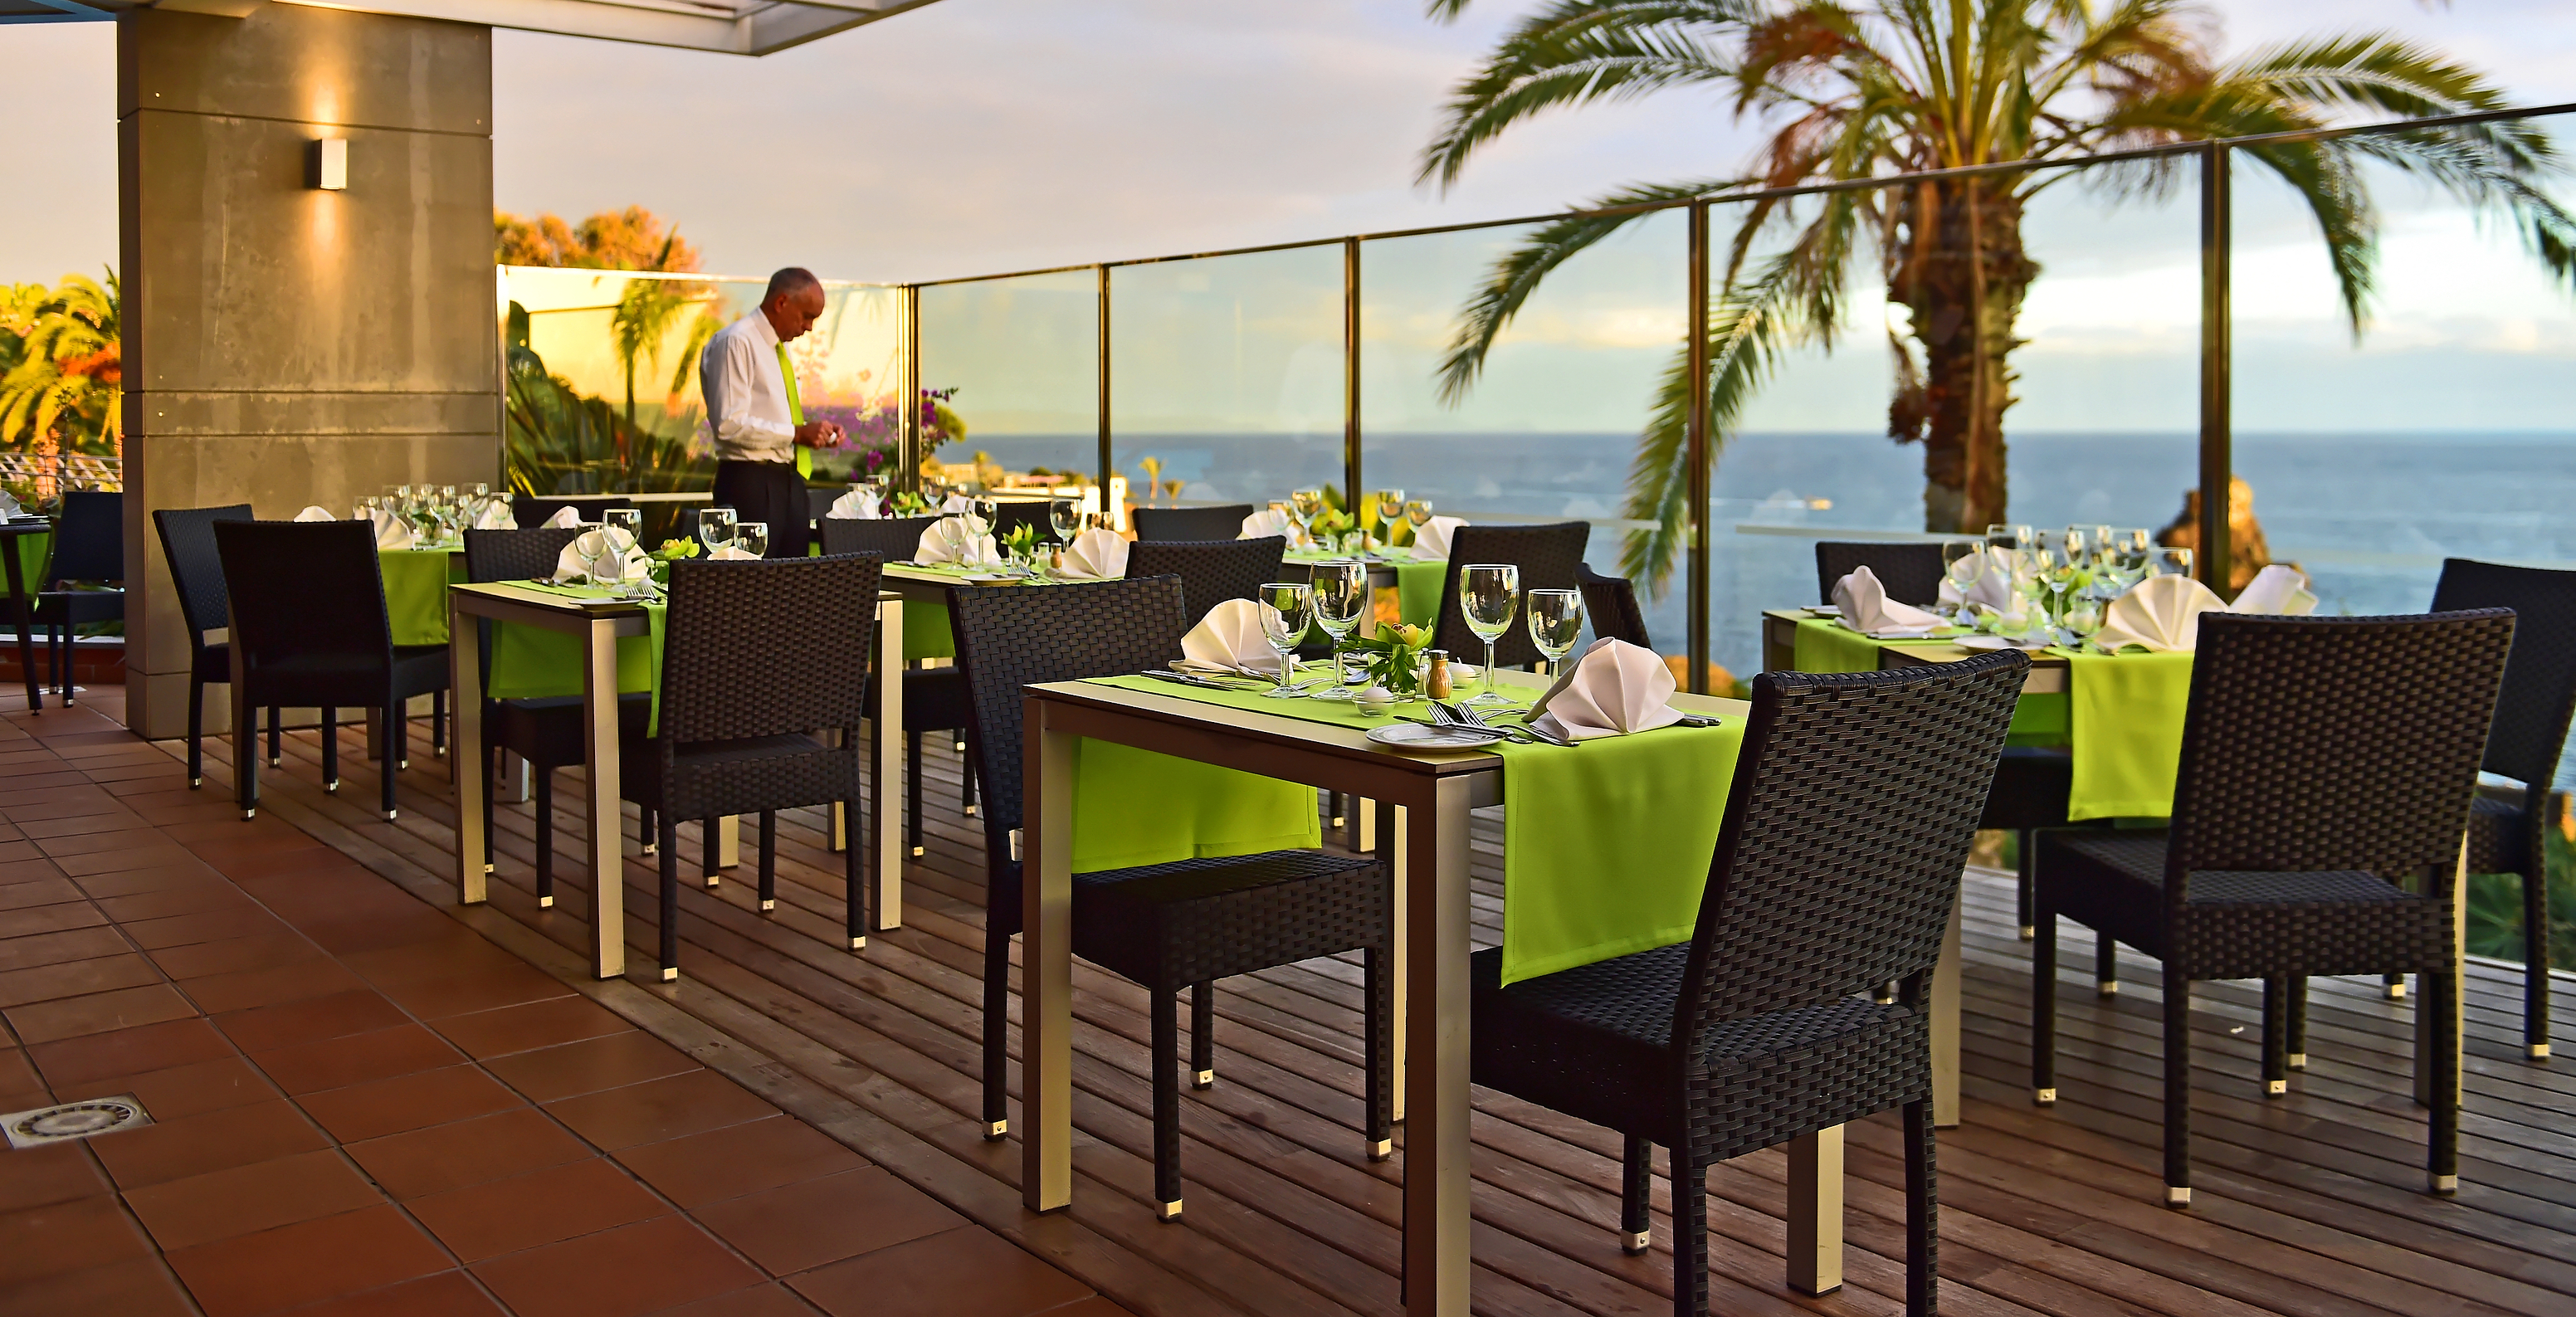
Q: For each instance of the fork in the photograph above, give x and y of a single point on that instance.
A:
(1463, 715)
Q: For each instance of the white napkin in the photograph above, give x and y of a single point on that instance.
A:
(315, 512)
(945, 540)
(1096, 555)
(392, 532)
(732, 553)
(1431, 538)
(591, 558)
(2276, 590)
(564, 519)
(2160, 613)
(1614, 689)
(1991, 585)
(954, 504)
(1867, 609)
(496, 515)
(9, 508)
(856, 505)
(1230, 636)
(1268, 521)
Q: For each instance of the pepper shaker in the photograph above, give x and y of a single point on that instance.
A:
(1436, 684)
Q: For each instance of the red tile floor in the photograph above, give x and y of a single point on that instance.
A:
(362, 1106)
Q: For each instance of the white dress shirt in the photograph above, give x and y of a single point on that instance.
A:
(746, 396)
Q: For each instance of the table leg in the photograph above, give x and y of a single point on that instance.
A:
(885, 767)
(26, 622)
(2424, 1004)
(1046, 964)
(1435, 1025)
(607, 824)
(1815, 1212)
(1945, 1027)
(1385, 824)
(1367, 824)
(464, 660)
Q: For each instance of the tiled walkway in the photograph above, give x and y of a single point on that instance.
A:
(362, 1106)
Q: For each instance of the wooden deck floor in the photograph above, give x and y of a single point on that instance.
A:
(2305, 1204)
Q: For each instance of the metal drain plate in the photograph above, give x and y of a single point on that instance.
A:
(74, 1120)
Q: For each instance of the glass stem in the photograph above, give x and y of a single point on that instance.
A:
(1489, 667)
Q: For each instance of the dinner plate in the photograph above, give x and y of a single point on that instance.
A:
(1415, 736)
(1999, 642)
(1825, 610)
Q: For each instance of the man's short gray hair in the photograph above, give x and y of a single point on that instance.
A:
(789, 282)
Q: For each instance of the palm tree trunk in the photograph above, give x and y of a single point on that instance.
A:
(1963, 315)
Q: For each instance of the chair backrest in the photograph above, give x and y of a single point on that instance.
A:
(819, 500)
(1611, 603)
(766, 647)
(891, 538)
(530, 510)
(1855, 800)
(196, 568)
(89, 540)
(2318, 743)
(1191, 524)
(1548, 557)
(515, 555)
(1211, 571)
(1014, 636)
(1011, 513)
(1910, 571)
(304, 589)
(2539, 692)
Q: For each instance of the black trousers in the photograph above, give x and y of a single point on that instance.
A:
(769, 492)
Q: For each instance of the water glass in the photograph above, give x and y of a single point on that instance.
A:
(752, 537)
(1286, 609)
(2165, 561)
(1064, 517)
(628, 522)
(1389, 504)
(2002, 536)
(715, 527)
(1489, 593)
(1555, 621)
(1418, 511)
(1341, 600)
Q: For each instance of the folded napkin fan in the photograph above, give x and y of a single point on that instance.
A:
(392, 532)
(856, 505)
(315, 512)
(2160, 613)
(1266, 522)
(1096, 555)
(945, 540)
(592, 558)
(1867, 609)
(732, 553)
(954, 504)
(1614, 689)
(1431, 538)
(1230, 636)
(2276, 590)
(1989, 584)
(564, 519)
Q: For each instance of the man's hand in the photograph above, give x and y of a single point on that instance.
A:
(818, 434)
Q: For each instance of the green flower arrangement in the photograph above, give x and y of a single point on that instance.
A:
(672, 550)
(1394, 657)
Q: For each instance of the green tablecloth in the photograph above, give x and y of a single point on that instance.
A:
(1824, 645)
(33, 553)
(416, 582)
(2125, 727)
(531, 663)
(1606, 846)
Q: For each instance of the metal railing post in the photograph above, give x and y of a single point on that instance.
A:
(908, 423)
(2217, 461)
(1696, 441)
(1107, 458)
(1351, 372)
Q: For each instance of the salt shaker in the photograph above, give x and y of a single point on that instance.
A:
(1436, 684)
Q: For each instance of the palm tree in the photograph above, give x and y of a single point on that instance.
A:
(1877, 88)
(65, 388)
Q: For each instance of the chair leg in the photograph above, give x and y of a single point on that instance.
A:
(1334, 808)
(1922, 1214)
(768, 859)
(2276, 1036)
(2294, 1025)
(997, 1033)
(2442, 1123)
(1167, 1106)
(912, 791)
(276, 736)
(965, 782)
(2106, 964)
(397, 747)
(541, 792)
(2043, 1009)
(1690, 1236)
(2535, 964)
(1377, 1021)
(709, 833)
(1636, 1196)
(859, 914)
(330, 750)
(1203, 1035)
(2025, 851)
(644, 826)
(670, 875)
(2177, 1088)
(2395, 984)
(196, 732)
(438, 723)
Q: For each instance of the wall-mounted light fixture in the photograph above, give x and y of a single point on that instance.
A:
(326, 164)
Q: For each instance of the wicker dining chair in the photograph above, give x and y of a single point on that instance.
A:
(1191, 525)
(758, 657)
(2321, 757)
(549, 732)
(1910, 571)
(197, 577)
(1166, 927)
(310, 627)
(934, 699)
(2530, 732)
(1549, 557)
(1762, 1027)
(89, 545)
(1611, 604)
(1211, 571)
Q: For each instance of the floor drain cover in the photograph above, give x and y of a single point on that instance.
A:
(73, 1120)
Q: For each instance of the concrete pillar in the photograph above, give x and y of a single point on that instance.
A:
(286, 345)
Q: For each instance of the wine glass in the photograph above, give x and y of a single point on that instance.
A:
(1341, 599)
(2168, 561)
(1286, 608)
(1390, 509)
(1963, 560)
(1305, 505)
(624, 525)
(1418, 511)
(752, 537)
(715, 528)
(1490, 593)
(1064, 517)
(1555, 620)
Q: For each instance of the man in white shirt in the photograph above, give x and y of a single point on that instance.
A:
(764, 444)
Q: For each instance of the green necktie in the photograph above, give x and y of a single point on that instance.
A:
(795, 412)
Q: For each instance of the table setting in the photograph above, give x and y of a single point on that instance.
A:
(1317, 532)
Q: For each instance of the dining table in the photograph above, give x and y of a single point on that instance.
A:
(29, 539)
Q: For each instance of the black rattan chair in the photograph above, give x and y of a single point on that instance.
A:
(1164, 926)
(309, 628)
(1762, 1027)
(1549, 558)
(2530, 732)
(546, 731)
(89, 545)
(1191, 524)
(758, 657)
(1011, 513)
(197, 577)
(1211, 571)
(934, 699)
(1611, 603)
(1910, 571)
(2304, 789)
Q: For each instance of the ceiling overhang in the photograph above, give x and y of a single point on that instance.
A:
(733, 27)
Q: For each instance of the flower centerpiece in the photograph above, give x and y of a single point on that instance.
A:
(671, 551)
(1394, 658)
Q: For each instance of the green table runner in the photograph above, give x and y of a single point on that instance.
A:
(1606, 846)
(1417, 584)
(1824, 645)
(416, 582)
(2126, 729)
(34, 553)
(532, 662)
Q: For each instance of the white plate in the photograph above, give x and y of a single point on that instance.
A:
(1415, 736)
(1825, 610)
(1999, 642)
